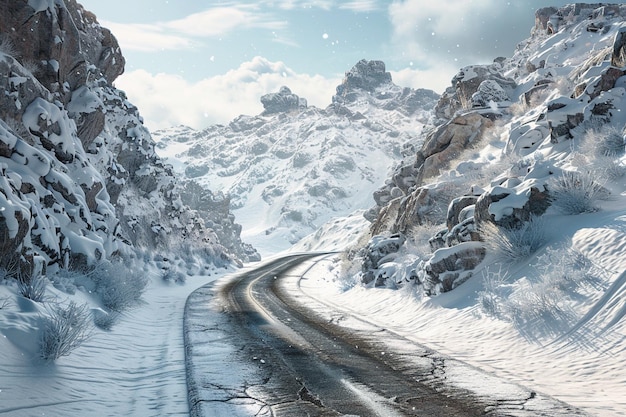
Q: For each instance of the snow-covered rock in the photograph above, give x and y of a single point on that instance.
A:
(283, 101)
(80, 179)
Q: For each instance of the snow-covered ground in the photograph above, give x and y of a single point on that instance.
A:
(135, 369)
(584, 366)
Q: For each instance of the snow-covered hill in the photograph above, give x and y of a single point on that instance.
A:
(80, 179)
(292, 168)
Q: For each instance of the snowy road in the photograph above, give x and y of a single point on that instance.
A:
(258, 345)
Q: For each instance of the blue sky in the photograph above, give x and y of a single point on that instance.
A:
(203, 62)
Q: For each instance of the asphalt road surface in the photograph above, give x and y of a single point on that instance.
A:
(309, 365)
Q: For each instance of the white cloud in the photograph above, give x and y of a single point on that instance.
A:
(220, 20)
(168, 100)
(360, 5)
(147, 38)
(458, 32)
(437, 79)
(184, 33)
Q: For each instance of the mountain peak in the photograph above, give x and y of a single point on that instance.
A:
(281, 102)
(365, 75)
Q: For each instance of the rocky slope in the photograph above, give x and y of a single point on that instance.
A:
(80, 179)
(293, 167)
(518, 142)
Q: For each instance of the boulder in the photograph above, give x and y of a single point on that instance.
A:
(618, 57)
(510, 207)
(542, 17)
(455, 208)
(448, 268)
(380, 249)
(448, 141)
(489, 91)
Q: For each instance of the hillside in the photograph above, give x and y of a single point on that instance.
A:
(81, 182)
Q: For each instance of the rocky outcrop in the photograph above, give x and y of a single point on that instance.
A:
(281, 102)
(369, 81)
(475, 86)
(448, 141)
(79, 170)
(62, 43)
(366, 76)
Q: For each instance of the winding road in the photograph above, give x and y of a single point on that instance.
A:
(256, 344)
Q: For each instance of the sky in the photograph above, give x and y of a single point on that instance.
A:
(201, 62)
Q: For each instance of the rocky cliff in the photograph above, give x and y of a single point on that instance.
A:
(80, 179)
(512, 139)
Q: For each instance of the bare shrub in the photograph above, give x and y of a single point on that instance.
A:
(509, 246)
(542, 304)
(7, 46)
(601, 149)
(576, 192)
(494, 294)
(119, 286)
(170, 275)
(64, 329)
(31, 285)
(606, 141)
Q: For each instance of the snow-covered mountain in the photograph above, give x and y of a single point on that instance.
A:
(519, 143)
(292, 168)
(80, 180)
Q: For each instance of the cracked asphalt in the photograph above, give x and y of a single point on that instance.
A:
(257, 346)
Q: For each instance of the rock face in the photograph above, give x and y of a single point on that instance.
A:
(366, 76)
(80, 179)
(475, 86)
(567, 79)
(282, 102)
(368, 80)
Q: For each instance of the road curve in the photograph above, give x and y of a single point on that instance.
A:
(300, 363)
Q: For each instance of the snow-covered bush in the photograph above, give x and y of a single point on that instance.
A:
(576, 192)
(508, 246)
(170, 275)
(119, 286)
(570, 271)
(64, 329)
(31, 283)
(65, 280)
(601, 150)
(604, 141)
(539, 309)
